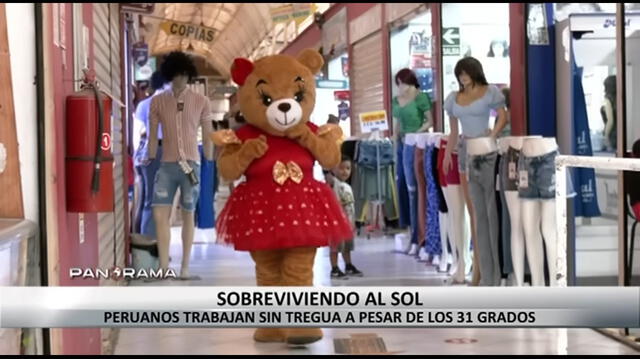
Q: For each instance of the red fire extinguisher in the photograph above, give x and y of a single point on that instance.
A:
(89, 159)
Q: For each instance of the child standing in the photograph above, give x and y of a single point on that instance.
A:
(337, 180)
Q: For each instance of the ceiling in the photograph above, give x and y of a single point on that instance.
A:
(239, 29)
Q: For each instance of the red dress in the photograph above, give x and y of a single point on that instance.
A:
(262, 214)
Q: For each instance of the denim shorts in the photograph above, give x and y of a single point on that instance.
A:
(168, 179)
(537, 177)
(372, 153)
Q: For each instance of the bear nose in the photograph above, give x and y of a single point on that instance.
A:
(284, 107)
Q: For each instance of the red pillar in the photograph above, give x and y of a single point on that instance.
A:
(517, 27)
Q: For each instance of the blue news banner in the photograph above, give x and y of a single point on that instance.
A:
(400, 307)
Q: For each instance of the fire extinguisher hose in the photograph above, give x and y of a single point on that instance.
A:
(95, 182)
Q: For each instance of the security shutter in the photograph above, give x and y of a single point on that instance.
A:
(367, 79)
(106, 46)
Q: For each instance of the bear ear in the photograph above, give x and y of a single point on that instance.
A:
(312, 59)
(240, 70)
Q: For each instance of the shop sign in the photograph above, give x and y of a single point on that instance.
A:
(143, 72)
(331, 84)
(343, 111)
(537, 30)
(373, 121)
(345, 66)
(451, 41)
(296, 12)
(189, 31)
(140, 53)
(342, 95)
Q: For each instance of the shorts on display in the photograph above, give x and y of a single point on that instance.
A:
(453, 176)
(537, 177)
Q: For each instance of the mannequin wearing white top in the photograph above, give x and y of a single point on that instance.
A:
(515, 218)
(537, 214)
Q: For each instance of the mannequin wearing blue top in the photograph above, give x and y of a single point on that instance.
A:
(471, 105)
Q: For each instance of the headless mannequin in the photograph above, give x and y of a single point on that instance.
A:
(487, 253)
(418, 165)
(456, 223)
(445, 259)
(514, 209)
(539, 214)
(412, 250)
(162, 214)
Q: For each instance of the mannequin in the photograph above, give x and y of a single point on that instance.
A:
(410, 178)
(482, 154)
(511, 148)
(538, 208)
(421, 188)
(180, 111)
(457, 221)
(411, 114)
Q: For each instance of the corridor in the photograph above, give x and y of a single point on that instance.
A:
(222, 266)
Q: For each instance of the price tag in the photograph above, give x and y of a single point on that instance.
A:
(524, 179)
(513, 173)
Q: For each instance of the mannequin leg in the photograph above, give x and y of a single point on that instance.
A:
(161, 216)
(268, 273)
(517, 236)
(464, 183)
(455, 202)
(297, 270)
(550, 237)
(531, 213)
(444, 258)
(188, 225)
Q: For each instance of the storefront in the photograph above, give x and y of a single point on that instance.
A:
(411, 44)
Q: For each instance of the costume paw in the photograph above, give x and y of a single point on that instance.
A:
(255, 147)
(297, 131)
(224, 137)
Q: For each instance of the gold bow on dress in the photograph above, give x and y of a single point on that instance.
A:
(282, 172)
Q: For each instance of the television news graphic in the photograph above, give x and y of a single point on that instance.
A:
(341, 307)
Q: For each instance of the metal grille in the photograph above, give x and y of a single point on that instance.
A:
(367, 79)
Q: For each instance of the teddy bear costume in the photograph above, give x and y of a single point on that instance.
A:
(280, 214)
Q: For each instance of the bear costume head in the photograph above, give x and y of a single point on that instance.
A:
(277, 93)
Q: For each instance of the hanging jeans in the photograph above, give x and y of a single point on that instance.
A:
(403, 195)
(421, 189)
(434, 243)
(482, 188)
(147, 223)
(205, 213)
(410, 178)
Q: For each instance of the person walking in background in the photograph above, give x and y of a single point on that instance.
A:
(148, 170)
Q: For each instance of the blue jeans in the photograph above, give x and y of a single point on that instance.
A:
(205, 214)
(147, 223)
(401, 184)
(410, 178)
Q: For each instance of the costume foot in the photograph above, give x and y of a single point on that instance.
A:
(269, 335)
(303, 336)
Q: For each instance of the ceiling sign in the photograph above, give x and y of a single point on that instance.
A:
(189, 31)
(297, 12)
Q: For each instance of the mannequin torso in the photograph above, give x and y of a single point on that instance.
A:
(533, 147)
(481, 146)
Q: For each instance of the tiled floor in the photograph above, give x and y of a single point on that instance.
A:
(222, 266)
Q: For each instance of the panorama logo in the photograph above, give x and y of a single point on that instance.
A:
(121, 273)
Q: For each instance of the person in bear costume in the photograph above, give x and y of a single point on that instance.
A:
(280, 214)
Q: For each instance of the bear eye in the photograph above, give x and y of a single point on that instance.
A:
(299, 96)
(266, 100)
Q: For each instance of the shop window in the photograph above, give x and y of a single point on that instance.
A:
(480, 31)
(411, 47)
